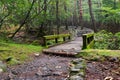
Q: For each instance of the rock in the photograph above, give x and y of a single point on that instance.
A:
(79, 66)
(109, 78)
(58, 67)
(81, 74)
(57, 73)
(1, 70)
(76, 78)
(39, 73)
(77, 61)
(2, 65)
(37, 54)
(114, 59)
(44, 68)
(9, 59)
(75, 70)
(14, 72)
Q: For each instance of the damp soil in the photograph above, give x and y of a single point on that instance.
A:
(103, 70)
(43, 67)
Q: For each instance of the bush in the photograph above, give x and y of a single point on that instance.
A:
(106, 40)
(102, 39)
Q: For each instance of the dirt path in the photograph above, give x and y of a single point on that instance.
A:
(44, 67)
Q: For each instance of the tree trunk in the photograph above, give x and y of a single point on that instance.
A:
(57, 16)
(43, 25)
(91, 14)
(2, 21)
(66, 21)
(81, 14)
(115, 4)
(24, 21)
(75, 21)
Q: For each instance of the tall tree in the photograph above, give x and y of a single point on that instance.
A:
(66, 22)
(57, 16)
(81, 14)
(91, 15)
(115, 4)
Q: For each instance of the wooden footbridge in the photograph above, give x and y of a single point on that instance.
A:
(64, 45)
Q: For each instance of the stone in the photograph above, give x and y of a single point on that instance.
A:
(1, 70)
(44, 68)
(76, 78)
(79, 66)
(2, 65)
(81, 74)
(114, 59)
(36, 54)
(39, 73)
(76, 61)
(109, 78)
(9, 59)
(57, 73)
(75, 70)
(58, 67)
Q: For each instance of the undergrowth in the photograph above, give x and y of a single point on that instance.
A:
(107, 40)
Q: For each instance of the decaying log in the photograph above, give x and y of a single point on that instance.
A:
(59, 52)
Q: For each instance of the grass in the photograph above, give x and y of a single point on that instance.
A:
(18, 52)
(96, 54)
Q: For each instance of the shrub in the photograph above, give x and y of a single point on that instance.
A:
(106, 40)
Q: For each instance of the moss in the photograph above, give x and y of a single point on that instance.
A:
(52, 40)
(19, 52)
(98, 55)
(91, 45)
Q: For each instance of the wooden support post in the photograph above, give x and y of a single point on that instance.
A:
(56, 40)
(63, 38)
(84, 41)
(45, 41)
(69, 37)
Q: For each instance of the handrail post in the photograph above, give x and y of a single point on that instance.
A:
(56, 40)
(44, 40)
(88, 40)
(63, 38)
(84, 41)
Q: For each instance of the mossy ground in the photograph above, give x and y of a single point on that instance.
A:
(96, 54)
(18, 52)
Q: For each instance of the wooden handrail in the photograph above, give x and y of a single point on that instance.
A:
(56, 38)
(88, 40)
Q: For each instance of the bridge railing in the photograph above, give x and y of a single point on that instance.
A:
(56, 39)
(88, 40)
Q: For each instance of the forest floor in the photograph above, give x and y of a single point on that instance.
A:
(106, 70)
(51, 67)
(43, 67)
(102, 64)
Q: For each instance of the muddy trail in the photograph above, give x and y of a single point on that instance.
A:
(107, 70)
(43, 67)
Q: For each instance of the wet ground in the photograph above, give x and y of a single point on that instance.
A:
(44, 67)
(103, 70)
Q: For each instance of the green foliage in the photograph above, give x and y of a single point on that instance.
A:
(102, 39)
(106, 40)
(115, 43)
(107, 3)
